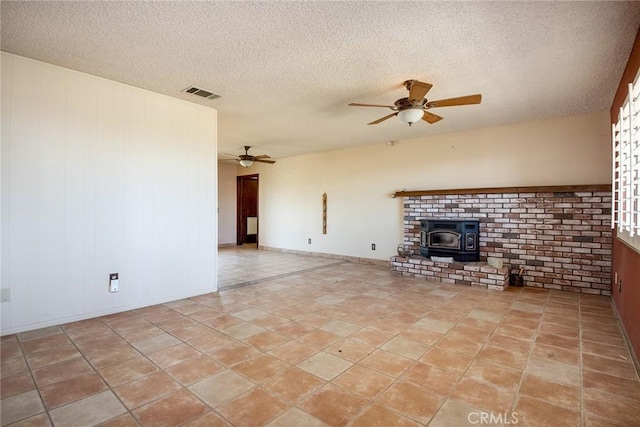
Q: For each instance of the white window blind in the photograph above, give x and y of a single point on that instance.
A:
(626, 165)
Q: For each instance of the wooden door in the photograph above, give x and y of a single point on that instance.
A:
(247, 186)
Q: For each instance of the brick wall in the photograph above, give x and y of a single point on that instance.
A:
(562, 239)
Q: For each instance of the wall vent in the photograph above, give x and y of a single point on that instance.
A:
(201, 92)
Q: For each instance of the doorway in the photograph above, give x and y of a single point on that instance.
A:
(247, 197)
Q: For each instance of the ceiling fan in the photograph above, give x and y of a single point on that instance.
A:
(415, 106)
(246, 159)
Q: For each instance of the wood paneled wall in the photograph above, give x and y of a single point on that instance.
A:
(97, 178)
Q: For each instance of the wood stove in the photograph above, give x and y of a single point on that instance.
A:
(457, 238)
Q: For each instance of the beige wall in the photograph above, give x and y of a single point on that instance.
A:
(98, 178)
(359, 181)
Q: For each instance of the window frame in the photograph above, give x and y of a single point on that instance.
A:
(625, 191)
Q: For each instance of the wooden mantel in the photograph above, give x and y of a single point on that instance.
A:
(496, 190)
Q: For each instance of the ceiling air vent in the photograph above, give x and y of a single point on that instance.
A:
(201, 92)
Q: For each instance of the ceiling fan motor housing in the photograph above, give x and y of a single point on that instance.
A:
(403, 103)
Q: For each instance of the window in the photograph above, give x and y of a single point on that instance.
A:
(626, 169)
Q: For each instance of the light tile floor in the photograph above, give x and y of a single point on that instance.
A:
(347, 344)
(245, 265)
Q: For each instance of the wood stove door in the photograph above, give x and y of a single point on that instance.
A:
(444, 239)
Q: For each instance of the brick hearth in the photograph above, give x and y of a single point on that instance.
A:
(561, 238)
(478, 274)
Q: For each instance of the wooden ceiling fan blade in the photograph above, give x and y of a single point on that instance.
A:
(431, 118)
(355, 104)
(418, 90)
(264, 161)
(382, 119)
(452, 102)
(261, 156)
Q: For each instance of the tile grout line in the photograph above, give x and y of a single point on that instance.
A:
(483, 345)
(516, 397)
(35, 384)
(128, 411)
(448, 396)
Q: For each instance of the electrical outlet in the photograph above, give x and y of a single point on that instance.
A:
(373, 246)
(309, 241)
(5, 295)
(113, 282)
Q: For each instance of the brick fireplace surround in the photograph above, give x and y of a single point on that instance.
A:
(560, 235)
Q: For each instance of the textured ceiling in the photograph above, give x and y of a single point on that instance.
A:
(287, 70)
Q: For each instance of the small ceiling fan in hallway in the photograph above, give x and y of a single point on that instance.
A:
(246, 159)
(415, 106)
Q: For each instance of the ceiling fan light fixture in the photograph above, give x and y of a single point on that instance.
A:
(411, 115)
(245, 163)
